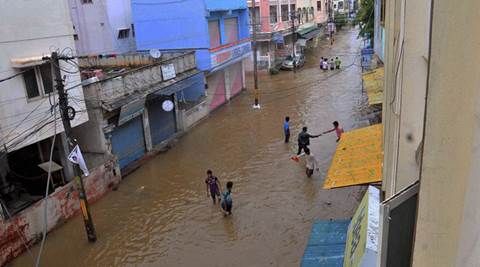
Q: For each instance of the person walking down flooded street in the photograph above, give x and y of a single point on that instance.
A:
(338, 130)
(304, 140)
(286, 129)
(311, 162)
(227, 202)
(213, 186)
(337, 63)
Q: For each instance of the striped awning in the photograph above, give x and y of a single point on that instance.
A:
(358, 158)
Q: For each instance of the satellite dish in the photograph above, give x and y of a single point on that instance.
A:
(155, 53)
(167, 105)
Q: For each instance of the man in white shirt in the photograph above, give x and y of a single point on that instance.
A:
(311, 162)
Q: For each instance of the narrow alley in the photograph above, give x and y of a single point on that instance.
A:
(161, 216)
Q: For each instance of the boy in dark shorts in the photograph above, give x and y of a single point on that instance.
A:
(227, 202)
(213, 186)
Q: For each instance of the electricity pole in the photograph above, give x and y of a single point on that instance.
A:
(63, 104)
(294, 40)
(254, 47)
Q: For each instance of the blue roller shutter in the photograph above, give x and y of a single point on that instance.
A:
(162, 123)
(128, 141)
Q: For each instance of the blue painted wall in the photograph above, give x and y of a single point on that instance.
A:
(215, 5)
(167, 24)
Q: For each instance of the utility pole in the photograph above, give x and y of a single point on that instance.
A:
(63, 104)
(294, 40)
(254, 47)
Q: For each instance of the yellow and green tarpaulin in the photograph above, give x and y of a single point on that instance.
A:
(358, 158)
(373, 82)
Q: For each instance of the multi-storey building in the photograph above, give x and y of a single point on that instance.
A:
(102, 26)
(430, 213)
(282, 23)
(30, 124)
(217, 30)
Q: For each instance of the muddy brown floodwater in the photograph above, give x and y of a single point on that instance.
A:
(161, 215)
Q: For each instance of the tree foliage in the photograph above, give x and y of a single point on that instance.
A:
(366, 19)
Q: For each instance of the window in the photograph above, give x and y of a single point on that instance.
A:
(340, 5)
(305, 14)
(312, 12)
(299, 15)
(214, 32)
(231, 30)
(31, 83)
(47, 77)
(87, 2)
(123, 33)
(257, 15)
(38, 80)
(75, 37)
(319, 5)
(133, 29)
(273, 14)
(292, 9)
(284, 9)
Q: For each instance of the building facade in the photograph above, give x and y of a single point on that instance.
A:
(217, 30)
(430, 172)
(282, 23)
(102, 26)
(30, 122)
(274, 30)
(142, 106)
(27, 122)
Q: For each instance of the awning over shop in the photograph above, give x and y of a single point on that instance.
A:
(307, 30)
(326, 245)
(311, 34)
(373, 82)
(358, 158)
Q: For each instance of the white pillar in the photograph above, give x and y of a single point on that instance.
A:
(146, 130)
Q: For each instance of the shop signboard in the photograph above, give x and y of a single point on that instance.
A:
(362, 236)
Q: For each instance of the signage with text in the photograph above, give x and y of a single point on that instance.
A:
(230, 53)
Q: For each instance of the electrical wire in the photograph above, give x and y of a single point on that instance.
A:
(13, 76)
(45, 211)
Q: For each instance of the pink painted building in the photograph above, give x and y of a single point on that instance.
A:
(274, 26)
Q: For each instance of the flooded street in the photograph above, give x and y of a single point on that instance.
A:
(161, 214)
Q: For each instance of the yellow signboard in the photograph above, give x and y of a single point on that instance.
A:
(358, 158)
(373, 82)
(362, 246)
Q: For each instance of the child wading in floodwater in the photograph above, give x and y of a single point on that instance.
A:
(311, 162)
(338, 130)
(213, 186)
(227, 202)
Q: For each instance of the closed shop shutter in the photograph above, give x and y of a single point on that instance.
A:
(128, 141)
(162, 123)
(216, 89)
(236, 78)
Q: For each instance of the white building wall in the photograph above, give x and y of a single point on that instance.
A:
(97, 25)
(21, 38)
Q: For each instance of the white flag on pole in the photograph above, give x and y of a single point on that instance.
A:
(76, 157)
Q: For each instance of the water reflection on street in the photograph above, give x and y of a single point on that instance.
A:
(172, 222)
